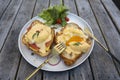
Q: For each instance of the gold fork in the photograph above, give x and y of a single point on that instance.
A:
(58, 49)
(87, 32)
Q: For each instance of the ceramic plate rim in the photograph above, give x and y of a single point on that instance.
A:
(92, 45)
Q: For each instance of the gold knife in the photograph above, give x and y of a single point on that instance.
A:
(86, 31)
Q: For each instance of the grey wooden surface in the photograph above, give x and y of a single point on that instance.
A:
(103, 17)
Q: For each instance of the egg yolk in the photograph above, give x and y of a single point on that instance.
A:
(74, 38)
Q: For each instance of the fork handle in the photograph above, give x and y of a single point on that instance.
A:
(36, 70)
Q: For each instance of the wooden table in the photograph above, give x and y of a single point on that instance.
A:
(102, 15)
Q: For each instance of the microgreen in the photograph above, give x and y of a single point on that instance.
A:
(52, 14)
(77, 44)
(35, 34)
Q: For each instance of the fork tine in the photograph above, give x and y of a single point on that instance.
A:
(60, 47)
(58, 44)
(61, 50)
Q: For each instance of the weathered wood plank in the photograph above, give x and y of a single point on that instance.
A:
(117, 3)
(99, 59)
(110, 33)
(25, 69)
(40, 5)
(10, 55)
(102, 65)
(113, 11)
(70, 4)
(7, 19)
(55, 75)
(82, 72)
(3, 6)
(54, 2)
(118, 66)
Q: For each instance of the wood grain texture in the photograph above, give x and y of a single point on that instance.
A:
(40, 5)
(113, 11)
(70, 4)
(55, 75)
(99, 66)
(99, 59)
(54, 2)
(7, 19)
(3, 6)
(25, 68)
(118, 66)
(109, 31)
(83, 71)
(103, 66)
(117, 3)
(10, 55)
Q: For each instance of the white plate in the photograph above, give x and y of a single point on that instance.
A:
(36, 60)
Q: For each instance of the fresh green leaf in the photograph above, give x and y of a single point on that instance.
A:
(35, 34)
(77, 44)
(53, 13)
(63, 22)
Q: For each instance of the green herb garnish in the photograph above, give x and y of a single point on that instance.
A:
(55, 15)
(35, 34)
(77, 44)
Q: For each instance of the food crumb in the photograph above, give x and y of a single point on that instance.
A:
(32, 53)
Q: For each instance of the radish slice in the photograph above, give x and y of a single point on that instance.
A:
(54, 61)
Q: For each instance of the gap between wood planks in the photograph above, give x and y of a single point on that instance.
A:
(110, 53)
(33, 9)
(73, 74)
(89, 57)
(5, 8)
(15, 78)
(99, 35)
(12, 72)
(16, 75)
(117, 64)
(100, 29)
(116, 26)
(1, 47)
